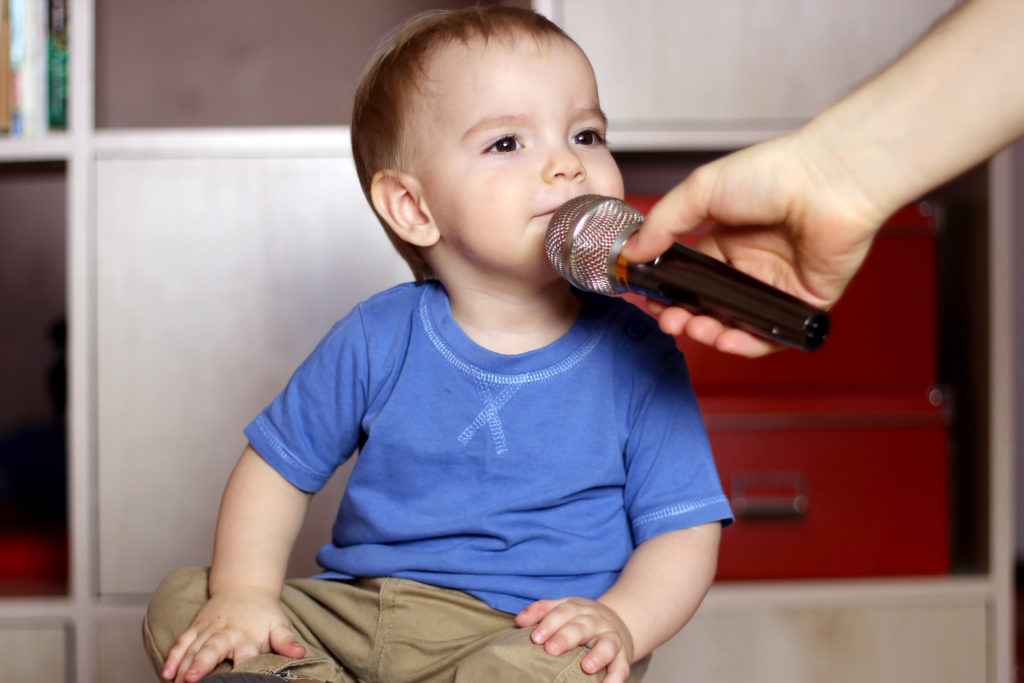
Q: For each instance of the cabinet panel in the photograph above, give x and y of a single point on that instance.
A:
(215, 278)
(33, 654)
(122, 658)
(681, 63)
(895, 643)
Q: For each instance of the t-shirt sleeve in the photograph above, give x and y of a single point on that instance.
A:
(672, 482)
(314, 425)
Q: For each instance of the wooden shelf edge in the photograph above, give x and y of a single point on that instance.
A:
(53, 147)
(739, 595)
(40, 610)
(35, 609)
(326, 141)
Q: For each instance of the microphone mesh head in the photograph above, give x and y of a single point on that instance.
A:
(581, 237)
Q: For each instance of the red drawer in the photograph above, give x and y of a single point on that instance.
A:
(832, 487)
(883, 328)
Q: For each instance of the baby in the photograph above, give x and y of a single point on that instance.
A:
(534, 497)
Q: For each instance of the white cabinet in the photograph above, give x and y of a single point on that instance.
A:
(941, 640)
(33, 652)
(216, 276)
(694, 63)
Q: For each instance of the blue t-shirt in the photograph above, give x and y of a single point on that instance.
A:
(510, 477)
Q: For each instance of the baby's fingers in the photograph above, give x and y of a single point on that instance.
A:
(202, 658)
(284, 642)
(606, 651)
(177, 654)
(535, 611)
(566, 627)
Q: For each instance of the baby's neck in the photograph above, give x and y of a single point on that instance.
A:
(512, 323)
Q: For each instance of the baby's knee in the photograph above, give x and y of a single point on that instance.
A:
(515, 658)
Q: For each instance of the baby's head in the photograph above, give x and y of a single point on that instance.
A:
(440, 65)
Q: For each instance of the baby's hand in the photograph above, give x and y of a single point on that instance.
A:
(230, 627)
(562, 625)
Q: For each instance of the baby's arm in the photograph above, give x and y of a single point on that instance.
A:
(260, 516)
(659, 589)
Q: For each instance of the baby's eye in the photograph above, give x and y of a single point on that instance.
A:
(509, 143)
(588, 137)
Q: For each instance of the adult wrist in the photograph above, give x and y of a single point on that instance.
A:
(853, 172)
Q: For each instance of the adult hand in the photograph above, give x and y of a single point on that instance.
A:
(772, 216)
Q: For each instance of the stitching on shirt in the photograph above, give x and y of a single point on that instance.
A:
(498, 378)
(284, 452)
(489, 416)
(487, 381)
(679, 509)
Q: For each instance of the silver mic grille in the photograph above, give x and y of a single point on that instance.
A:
(584, 238)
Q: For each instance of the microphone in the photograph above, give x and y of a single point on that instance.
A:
(584, 241)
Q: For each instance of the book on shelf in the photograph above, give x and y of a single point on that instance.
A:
(34, 62)
(57, 64)
(5, 68)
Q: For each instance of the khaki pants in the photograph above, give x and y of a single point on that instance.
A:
(379, 631)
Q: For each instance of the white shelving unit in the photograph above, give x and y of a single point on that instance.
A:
(55, 147)
(790, 630)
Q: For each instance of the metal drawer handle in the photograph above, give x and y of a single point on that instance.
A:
(769, 495)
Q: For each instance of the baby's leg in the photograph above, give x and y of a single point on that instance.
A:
(429, 634)
(514, 658)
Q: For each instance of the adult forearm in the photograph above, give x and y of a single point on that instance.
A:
(663, 584)
(951, 101)
(260, 517)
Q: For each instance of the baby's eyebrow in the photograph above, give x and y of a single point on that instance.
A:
(594, 112)
(501, 121)
(512, 121)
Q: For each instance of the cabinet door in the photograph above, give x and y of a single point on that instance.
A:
(121, 657)
(215, 278)
(693, 63)
(894, 642)
(33, 653)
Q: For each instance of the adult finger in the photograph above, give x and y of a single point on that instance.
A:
(682, 209)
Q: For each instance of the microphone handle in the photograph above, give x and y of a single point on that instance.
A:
(706, 286)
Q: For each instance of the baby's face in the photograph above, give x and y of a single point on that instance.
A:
(503, 133)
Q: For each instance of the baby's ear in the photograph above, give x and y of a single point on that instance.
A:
(397, 199)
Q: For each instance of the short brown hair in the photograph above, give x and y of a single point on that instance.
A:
(384, 93)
